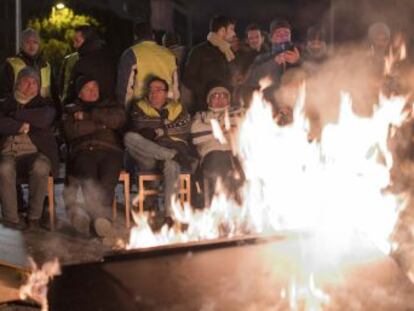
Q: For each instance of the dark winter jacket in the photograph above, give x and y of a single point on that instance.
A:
(100, 128)
(98, 62)
(205, 64)
(40, 114)
(169, 127)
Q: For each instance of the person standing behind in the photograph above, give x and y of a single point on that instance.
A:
(143, 61)
(209, 61)
(30, 56)
(95, 60)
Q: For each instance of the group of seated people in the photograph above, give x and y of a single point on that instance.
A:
(158, 135)
(145, 122)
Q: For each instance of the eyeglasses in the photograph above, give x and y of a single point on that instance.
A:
(157, 90)
(220, 95)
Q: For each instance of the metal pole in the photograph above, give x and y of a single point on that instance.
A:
(332, 24)
(18, 23)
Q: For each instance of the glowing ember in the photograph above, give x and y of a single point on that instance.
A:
(36, 285)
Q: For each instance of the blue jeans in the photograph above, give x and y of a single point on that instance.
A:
(149, 155)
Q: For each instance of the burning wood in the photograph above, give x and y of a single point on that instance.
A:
(36, 286)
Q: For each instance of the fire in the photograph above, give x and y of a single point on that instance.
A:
(36, 286)
(334, 188)
(398, 55)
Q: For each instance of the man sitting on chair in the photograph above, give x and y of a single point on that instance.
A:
(217, 159)
(92, 128)
(28, 148)
(157, 137)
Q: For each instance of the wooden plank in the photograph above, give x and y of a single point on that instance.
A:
(10, 282)
(13, 249)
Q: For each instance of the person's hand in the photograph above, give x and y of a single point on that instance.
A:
(292, 57)
(159, 132)
(79, 115)
(25, 128)
(280, 59)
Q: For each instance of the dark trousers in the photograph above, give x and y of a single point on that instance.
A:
(223, 165)
(97, 173)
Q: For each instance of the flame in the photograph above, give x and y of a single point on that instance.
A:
(333, 188)
(36, 285)
(340, 179)
(399, 55)
(218, 132)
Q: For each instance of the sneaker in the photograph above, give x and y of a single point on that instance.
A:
(103, 227)
(81, 222)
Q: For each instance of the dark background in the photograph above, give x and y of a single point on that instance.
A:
(347, 21)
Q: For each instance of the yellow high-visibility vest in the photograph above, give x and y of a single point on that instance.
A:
(68, 64)
(45, 74)
(152, 60)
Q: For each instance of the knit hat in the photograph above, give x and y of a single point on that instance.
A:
(81, 81)
(28, 72)
(28, 33)
(378, 29)
(279, 23)
(217, 89)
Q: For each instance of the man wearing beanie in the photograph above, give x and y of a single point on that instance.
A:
(92, 129)
(27, 148)
(217, 159)
(210, 61)
(29, 56)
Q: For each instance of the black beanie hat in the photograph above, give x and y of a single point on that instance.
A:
(81, 81)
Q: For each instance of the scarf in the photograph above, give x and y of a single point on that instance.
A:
(22, 99)
(222, 45)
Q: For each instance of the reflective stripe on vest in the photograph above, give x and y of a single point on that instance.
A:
(152, 60)
(45, 72)
(69, 63)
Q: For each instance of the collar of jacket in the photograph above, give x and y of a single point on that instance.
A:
(174, 109)
(33, 61)
(90, 46)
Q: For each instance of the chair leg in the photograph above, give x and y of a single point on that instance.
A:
(51, 194)
(127, 186)
(206, 187)
(141, 195)
(182, 190)
(114, 211)
(188, 192)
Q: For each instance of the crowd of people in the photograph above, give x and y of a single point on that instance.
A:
(153, 110)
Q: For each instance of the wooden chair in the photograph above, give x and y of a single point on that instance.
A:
(144, 177)
(124, 178)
